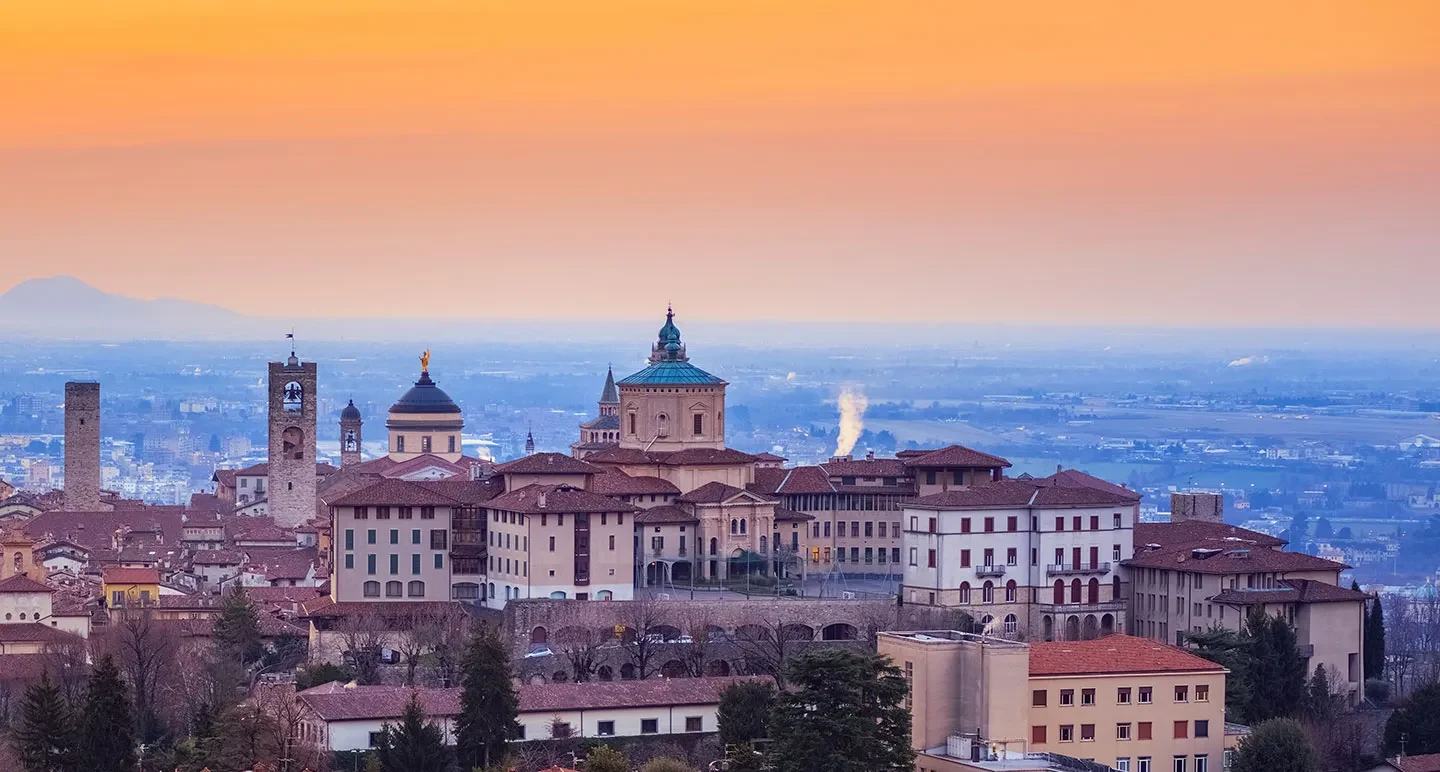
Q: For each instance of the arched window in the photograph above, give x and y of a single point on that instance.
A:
(1094, 591)
(372, 589)
(764, 543)
(604, 595)
(714, 544)
(662, 425)
(1115, 587)
(292, 442)
(392, 589)
(1059, 592)
(416, 589)
(987, 593)
(1011, 625)
(294, 396)
(742, 525)
(466, 591)
(734, 527)
(1011, 591)
(964, 592)
(557, 595)
(491, 593)
(1075, 591)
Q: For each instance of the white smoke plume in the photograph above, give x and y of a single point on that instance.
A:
(852, 405)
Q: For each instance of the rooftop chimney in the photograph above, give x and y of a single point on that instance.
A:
(540, 502)
(1204, 507)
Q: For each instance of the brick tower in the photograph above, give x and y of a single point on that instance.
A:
(292, 441)
(350, 436)
(82, 446)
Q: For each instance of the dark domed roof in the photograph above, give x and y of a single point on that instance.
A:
(425, 397)
(350, 413)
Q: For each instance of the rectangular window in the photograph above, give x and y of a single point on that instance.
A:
(1059, 523)
(1144, 765)
(405, 513)
(1094, 522)
(1122, 764)
(1142, 731)
(1202, 728)
(1087, 697)
(1012, 524)
(1087, 733)
(1115, 552)
(1067, 697)
(394, 536)
(854, 554)
(415, 564)
(440, 539)
(1179, 764)
(869, 528)
(452, 443)
(369, 564)
(375, 739)
(1037, 735)
(1202, 693)
(362, 513)
(957, 477)
(932, 525)
(869, 554)
(989, 525)
(382, 513)
(964, 525)
(349, 539)
(1012, 557)
(414, 535)
(840, 528)
(964, 558)
(427, 513)
(914, 553)
(1122, 696)
(894, 554)
(932, 558)
(694, 723)
(855, 528)
(349, 561)
(394, 564)
(651, 726)
(1182, 729)
(605, 728)
(1122, 731)
(370, 536)
(1146, 695)
(882, 530)
(612, 542)
(699, 424)
(439, 561)
(1039, 697)
(1067, 733)
(1075, 523)
(1182, 694)
(1202, 763)
(989, 557)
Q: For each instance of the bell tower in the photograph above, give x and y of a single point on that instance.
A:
(292, 441)
(350, 438)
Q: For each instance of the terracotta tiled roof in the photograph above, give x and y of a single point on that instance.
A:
(217, 557)
(1292, 591)
(547, 463)
(118, 575)
(338, 702)
(783, 515)
(563, 499)
(806, 479)
(34, 632)
(281, 563)
(768, 480)
(225, 478)
(956, 456)
(770, 457)
(1074, 478)
(22, 583)
(712, 493)
(1019, 493)
(665, 514)
(703, 457)
(97, 529)
(257, 529)
(1216, 548)
(424, 461)
(1429, 762)
(866, 467)
(394, 492)
(620, 456)
(616, 483)
(1113, 654)
(1182, 533)
(466, 491)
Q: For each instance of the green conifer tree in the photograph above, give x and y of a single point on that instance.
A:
(106, 741)
(489, 706)
(843, 712)
(45, 737)
(416, 745)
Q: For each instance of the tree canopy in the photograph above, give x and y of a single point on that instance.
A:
(45, 738)
(107, 727)
(489, 706)
(416, 745)
(1277, 745)
(1416, 722)
(843, 712)
(744, 712)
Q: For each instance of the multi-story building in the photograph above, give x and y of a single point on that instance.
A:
(1024, 557)
(559, 541)
(1125, 703)
(393, 541)
(1192, 575)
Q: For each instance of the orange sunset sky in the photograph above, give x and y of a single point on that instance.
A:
(1258, 162)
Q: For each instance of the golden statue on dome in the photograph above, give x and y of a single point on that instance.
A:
(425, 361)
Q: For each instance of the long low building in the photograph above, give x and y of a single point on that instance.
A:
(347, 717)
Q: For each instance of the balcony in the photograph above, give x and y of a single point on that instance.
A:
(1060, 569)
(1080, 608)
(989, 570)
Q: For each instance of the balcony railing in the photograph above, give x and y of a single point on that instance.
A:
(1080, 608)
(680, 554)
(989, 570)
(1077, 568)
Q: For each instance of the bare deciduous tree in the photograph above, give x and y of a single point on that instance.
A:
(698, 649)
(144, 647)
(641, 639)
(363, 635)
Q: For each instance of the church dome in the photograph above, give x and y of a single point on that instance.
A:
(350, 413)
(425, 397)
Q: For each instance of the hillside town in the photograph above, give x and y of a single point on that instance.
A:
(635, 590)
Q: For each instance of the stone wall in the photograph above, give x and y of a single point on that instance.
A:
(291, 483)
(1205, 507)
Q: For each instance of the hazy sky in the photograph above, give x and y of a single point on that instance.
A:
(1225, 162)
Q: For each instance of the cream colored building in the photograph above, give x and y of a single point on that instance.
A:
(1124, 702)
(1192, 575)
(392, 543)
(425, 421)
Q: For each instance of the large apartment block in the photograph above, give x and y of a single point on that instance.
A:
(1192, 575)
(1025, 557)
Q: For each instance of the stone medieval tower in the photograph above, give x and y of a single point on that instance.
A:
(292, 441)
(350, 439)
(82, 446)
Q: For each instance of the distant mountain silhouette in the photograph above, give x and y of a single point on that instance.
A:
(65, 307)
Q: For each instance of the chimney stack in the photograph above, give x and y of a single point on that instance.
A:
(1204, 507)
